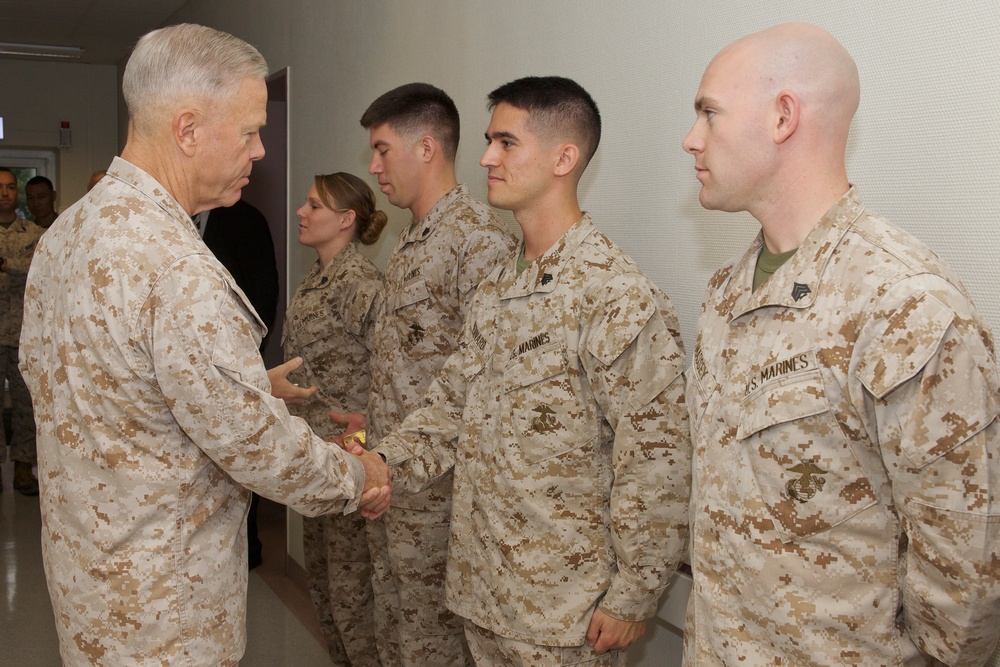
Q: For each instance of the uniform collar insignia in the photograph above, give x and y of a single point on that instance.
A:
(799, 290)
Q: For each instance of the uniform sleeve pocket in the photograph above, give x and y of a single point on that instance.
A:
(941, 396)
(912, 335)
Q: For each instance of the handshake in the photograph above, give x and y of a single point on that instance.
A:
(377, 490)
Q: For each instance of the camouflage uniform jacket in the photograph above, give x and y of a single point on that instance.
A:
(429, 280)
(327, 324)
(572, 466)
(17, 245)
(844, 418)
(153, 413)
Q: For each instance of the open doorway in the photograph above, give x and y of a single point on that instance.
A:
(268, 192)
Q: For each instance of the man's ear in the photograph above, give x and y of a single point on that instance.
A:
(186, 128)
(427, 147)
(568, 158)
(787, 108)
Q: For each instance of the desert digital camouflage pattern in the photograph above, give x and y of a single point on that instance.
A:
(491, 650)
(327, 323)
(17, 245)
(429, 280)
(154, 413)
(844, 421)
(572, 467)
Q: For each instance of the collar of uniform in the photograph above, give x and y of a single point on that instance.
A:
(796, 283)
(543, 274)
(319, 278)
(126, 172)
(418, 230)
(19, 225)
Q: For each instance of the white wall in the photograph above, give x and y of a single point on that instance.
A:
(38, 96)
(925, 146)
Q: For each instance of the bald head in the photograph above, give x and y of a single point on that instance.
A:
(804, 59)
(774, 113)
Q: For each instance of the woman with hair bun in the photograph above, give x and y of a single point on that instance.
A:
(327, 323)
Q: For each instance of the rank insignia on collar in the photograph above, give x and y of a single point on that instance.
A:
(546, 278)
(799, 290)
(808, 485)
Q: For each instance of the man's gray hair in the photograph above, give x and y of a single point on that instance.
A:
(186, 60)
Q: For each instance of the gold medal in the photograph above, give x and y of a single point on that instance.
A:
(357, 436)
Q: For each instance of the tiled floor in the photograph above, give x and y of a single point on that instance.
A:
(281, 624)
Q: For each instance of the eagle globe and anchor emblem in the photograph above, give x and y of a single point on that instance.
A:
(546, 421)
(808, 484)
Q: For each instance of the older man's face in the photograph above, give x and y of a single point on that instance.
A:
(229, 145)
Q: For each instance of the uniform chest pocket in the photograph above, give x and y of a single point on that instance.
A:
(312, 328)
(546, 416)
(410, 294)
(804, 467)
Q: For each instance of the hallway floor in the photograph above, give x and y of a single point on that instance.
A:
(281, 625)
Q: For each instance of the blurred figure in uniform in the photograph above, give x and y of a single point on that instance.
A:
(17, 246)
(329, 323)
(41, 200)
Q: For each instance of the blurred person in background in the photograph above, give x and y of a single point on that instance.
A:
(328, 324)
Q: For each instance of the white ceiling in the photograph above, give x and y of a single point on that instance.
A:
(105, 29)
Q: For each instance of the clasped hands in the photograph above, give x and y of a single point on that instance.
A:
(377, 491)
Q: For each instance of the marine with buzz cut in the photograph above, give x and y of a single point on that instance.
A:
(451, 243)
(561, 413)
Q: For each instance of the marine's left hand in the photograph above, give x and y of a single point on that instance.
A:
(607, 633)
(290, 393)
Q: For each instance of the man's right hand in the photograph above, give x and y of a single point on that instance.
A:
(377, 490)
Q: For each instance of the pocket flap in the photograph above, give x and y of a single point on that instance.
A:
(411, 293)
(912, 336)
(784, 400)
(536, 365)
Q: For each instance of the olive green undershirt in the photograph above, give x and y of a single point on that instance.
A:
(522, 263)
(767, 263)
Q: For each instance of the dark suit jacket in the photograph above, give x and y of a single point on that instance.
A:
(240, 238)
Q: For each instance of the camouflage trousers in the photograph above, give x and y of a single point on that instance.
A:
(22, 442)
(409, 553)
(491, 650)
(340, 573)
